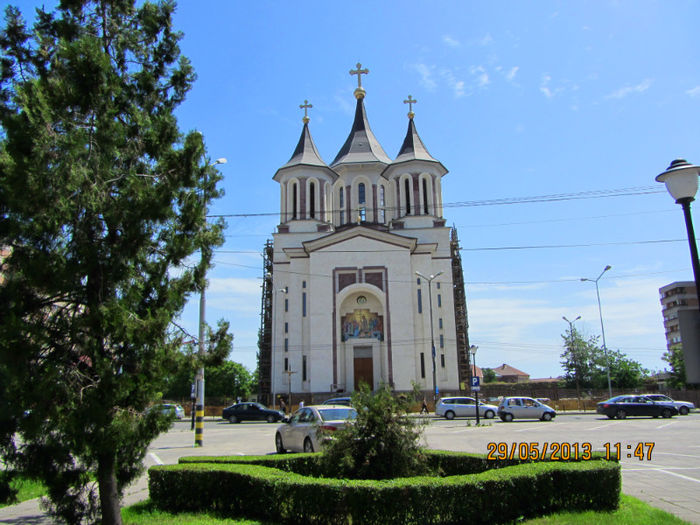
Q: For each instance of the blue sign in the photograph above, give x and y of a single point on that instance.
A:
(475, 380)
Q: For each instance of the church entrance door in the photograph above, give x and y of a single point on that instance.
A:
(363, 366)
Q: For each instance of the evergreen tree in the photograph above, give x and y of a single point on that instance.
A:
(101, 197)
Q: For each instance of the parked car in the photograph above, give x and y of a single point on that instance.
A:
(524, 408)
(632, 405)
(300, 432)
(172, 409)
(684, 407)
(251, 412)
(451, 407)
(345, 401)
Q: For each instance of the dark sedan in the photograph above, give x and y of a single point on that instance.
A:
(250, 412)
(622, 406)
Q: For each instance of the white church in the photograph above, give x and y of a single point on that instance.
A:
(359, 266)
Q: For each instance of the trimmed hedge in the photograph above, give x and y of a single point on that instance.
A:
(271, 488)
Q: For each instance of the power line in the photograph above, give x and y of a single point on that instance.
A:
(558, 197)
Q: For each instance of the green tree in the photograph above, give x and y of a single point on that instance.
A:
(101, 197)
(579, 359)
(584, 361)
(382, 443)
(489, 375)
(229, 379)
(674, 357)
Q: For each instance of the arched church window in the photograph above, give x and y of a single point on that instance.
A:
(425, 197)
(312, 200)
(361, 193)
(294, 200)
(382, 204)
(341, 205)
(407, 188)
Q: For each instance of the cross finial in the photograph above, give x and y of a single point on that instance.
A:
(305, 106)
(359, 92)
(410, 101)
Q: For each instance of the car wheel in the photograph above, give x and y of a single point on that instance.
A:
(449, 414)
(666, 413)
(489, 414)
(232, 419)
(279, 445)
(621, 414)
(507, 417)
(308, 446)
(546, 416)
(270, 418)
(683, 411)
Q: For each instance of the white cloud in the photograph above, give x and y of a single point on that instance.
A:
(482, 77)
(448, 40)
(544, 86)
(345, 106)
(510, 75)
(457, 86)
(426, 74)
(629, 90)
(486, 40)
(694, 92)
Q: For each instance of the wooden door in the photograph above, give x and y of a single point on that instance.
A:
(363, 372)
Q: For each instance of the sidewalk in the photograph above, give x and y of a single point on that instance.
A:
(30, 513)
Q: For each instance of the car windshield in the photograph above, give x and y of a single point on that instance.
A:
(337, 414)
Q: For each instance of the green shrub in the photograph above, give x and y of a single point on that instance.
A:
(382, 443)
(270, 488)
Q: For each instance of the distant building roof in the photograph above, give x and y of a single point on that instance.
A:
(507, 370)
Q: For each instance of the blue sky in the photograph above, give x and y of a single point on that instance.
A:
(516, 99)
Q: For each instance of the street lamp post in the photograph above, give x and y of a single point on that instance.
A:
(575, 355)
(472, 351)
(602, 329)
(199, 378)
(681, 179)
(432, 337)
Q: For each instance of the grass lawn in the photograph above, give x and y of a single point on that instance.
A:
(632, 512)
(27, 489)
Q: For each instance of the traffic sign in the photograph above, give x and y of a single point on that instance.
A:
(475, 381)
(476, 389)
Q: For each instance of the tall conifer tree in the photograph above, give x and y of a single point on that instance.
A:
(101, 197)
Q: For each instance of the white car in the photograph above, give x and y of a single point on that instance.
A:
(300, 432)
(524, 408)
(684, 407)
(451, 407)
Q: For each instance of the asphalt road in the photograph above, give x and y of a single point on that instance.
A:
(665, 472)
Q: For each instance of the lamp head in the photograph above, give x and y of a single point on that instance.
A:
(681, 179)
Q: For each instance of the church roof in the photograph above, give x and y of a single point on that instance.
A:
(413, 147)
(305, 153)
(361, 145)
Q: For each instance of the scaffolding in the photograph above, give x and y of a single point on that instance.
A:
(265, 334)
(464, 371)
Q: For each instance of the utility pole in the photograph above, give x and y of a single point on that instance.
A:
(575, 354)
(289, 388)
(199, 378)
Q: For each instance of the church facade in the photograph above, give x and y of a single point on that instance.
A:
(360, 281)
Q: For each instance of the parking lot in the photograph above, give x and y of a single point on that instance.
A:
(667, 476)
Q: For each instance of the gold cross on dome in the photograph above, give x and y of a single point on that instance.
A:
(359, 72)
(305, 106)
(410, 101)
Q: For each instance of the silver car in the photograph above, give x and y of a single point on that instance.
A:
(684, 407)
(300, 432)
(524, 408)
(451, 407)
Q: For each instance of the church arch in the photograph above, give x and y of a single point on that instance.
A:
(293, 199)
(406, 204)
(362, 199)
(426, 194)
(313, 198)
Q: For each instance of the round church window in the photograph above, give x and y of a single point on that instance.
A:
(361, 299)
